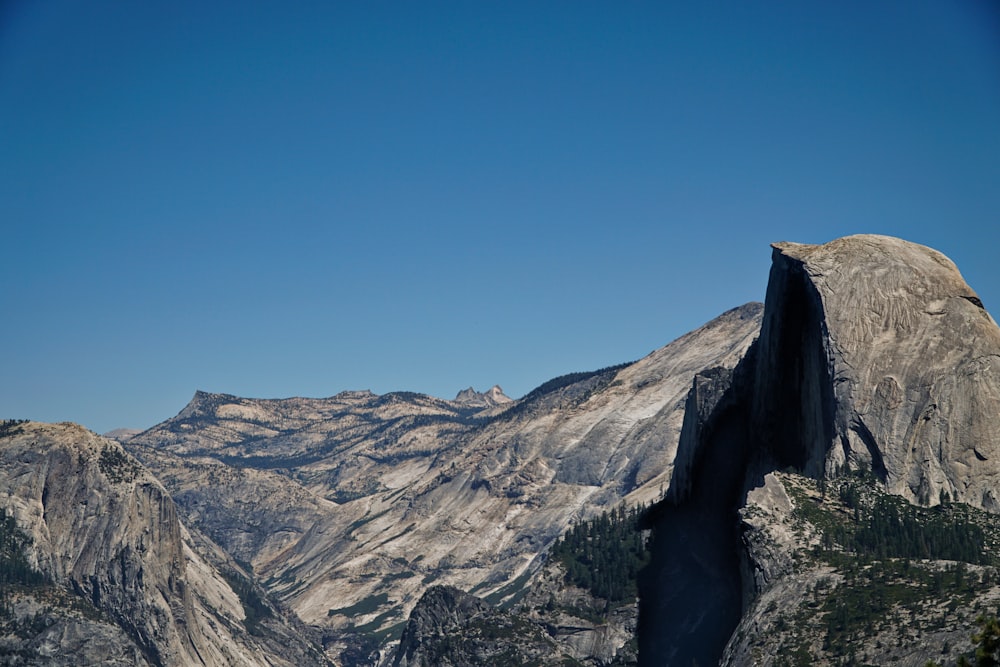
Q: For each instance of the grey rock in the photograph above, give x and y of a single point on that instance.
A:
(361, 502)
(491, 398)
(105, 530)
(584, 627)
(450, 628)
(873, 355)
(905, 369)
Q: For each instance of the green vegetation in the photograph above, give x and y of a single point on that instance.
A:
(507, 596)
(598, 380)
(14, 566)
(361, 607)
(854, 515)
(495, 639)
(117, 465)
(604, 555)
(11, 427)
(17, 574)
(886, 526)
(987, 642)
(895, 568)
(254, 608)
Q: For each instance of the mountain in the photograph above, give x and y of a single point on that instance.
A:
(493, 397)
(115, 578)
(349, 508)
(874, 359)
(817, 476)
(122, 434)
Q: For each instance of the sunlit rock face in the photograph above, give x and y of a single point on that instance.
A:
(912, 365)
(125, 582)
(350, 507)
(874, 354)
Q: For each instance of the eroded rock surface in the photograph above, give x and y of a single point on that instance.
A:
(873, 355)
(451, 628)
(104, 530)
(912, 364)
(350, 507)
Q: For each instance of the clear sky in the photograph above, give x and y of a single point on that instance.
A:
(276, 199)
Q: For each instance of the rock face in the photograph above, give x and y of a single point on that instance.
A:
(873, 354)
(899, 365)
(350, 507)
(491, 398)
(106, 531)
(586, 628)
(452, 628)
(820, 606)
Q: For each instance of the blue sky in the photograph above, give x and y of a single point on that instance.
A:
(269, 200)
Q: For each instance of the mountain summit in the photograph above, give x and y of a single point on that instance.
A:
(351, 507)
(874, 358)
(486, 399)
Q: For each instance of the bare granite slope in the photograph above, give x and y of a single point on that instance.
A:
(913, 360)
(350, 507)
(104, 530)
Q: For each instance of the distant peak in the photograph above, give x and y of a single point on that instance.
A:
(496, 393)
(492, 397)
(203, 402)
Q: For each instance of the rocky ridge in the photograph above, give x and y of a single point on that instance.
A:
(825, 601)
(451, 627)
(491, 398)
(394, 493)
(106, 534)
(826, 485)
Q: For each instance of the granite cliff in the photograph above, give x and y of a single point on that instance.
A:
(121, 578)
(874, 355)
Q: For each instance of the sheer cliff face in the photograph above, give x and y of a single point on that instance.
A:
(874, 355)
(897, 365)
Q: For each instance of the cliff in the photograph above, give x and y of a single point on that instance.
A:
(873, 356)
(105, 534)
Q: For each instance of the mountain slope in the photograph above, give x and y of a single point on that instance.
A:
(350, 507)
(105, 533)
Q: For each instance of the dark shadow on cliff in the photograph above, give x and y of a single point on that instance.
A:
(695, 571)
(775, 410)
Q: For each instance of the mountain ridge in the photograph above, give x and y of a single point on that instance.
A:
(380, 480)
(106, 533)
(837, 442)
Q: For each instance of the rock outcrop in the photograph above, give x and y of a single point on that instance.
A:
(586, 628)
(491, 398)
(898, 367)
(874, 355)
(450, 627)
(103, 529)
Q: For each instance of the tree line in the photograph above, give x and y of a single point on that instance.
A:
(605, 554)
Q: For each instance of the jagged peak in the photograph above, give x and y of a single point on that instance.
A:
(491, 397)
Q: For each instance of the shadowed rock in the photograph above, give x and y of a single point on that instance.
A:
(873, 354)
